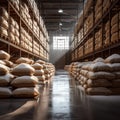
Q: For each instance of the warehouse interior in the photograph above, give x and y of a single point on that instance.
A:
(60, 59)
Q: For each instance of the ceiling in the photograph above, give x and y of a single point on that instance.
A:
(71, 10)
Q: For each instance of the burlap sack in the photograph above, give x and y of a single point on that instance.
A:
(3, 12)
(100, 75)
(115, 91)
(8, 63)
(115, 83)
(40, 62)
(23, 69)
(25, 92)
(86, 66)
(37, 66)
(98, 91)
(6, 79)
(99, 66)
(25, 81)
(47, 76)
(3, 70)
(3, 23)
(115, 67)
(4, 55)
(23, 60)
(99, 83)
(117, 75)
(46, 71)
(39, 72)
(2, 62)
(84, 72)
(98, 60)
(41, 78)
(3, 31)
(83, 79)
(114, 58)
(5, 92)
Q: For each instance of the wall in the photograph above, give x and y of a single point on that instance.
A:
(58, 57)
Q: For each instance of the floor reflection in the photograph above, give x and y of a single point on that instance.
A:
(61, 97)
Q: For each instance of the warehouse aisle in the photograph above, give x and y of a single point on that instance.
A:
(61, 100)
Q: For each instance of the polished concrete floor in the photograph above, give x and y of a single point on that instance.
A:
(61, 100)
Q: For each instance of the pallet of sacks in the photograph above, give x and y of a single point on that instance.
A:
(114, 62)
(5, 76)
(98, 77)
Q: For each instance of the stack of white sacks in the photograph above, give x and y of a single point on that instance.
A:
(4, 17)
(22, 79)
(39, 72)
(5, 76)
(25, 83)
(114, 62)
(99, 77)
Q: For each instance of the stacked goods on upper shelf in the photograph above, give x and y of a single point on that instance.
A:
(80, 51)
(88, 23)
(4, 17)
(87, 7)
(98, 10)
(72, 57)
(26, 40)
(25, 83)
(80, 35)
(36, 28)
(98, 39)
(14, 31)
(42, 38)
(25, 13)
(16, 4)
(107, 34)
(36, 11)
(114, 62)
(36, 48)
(106, 5)
(89, 46)
(115, 27)
(5, 76)
(31, 2)
(76, 51)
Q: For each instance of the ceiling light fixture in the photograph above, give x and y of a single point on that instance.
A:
(60, 24)
(60, 11)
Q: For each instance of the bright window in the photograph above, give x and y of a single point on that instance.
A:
(60, 42)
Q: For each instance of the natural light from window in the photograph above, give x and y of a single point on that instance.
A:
(60, 42)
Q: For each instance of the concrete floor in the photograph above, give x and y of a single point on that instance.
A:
(61, 100)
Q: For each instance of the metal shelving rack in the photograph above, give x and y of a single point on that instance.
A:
(105, 50)
(16, 50)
